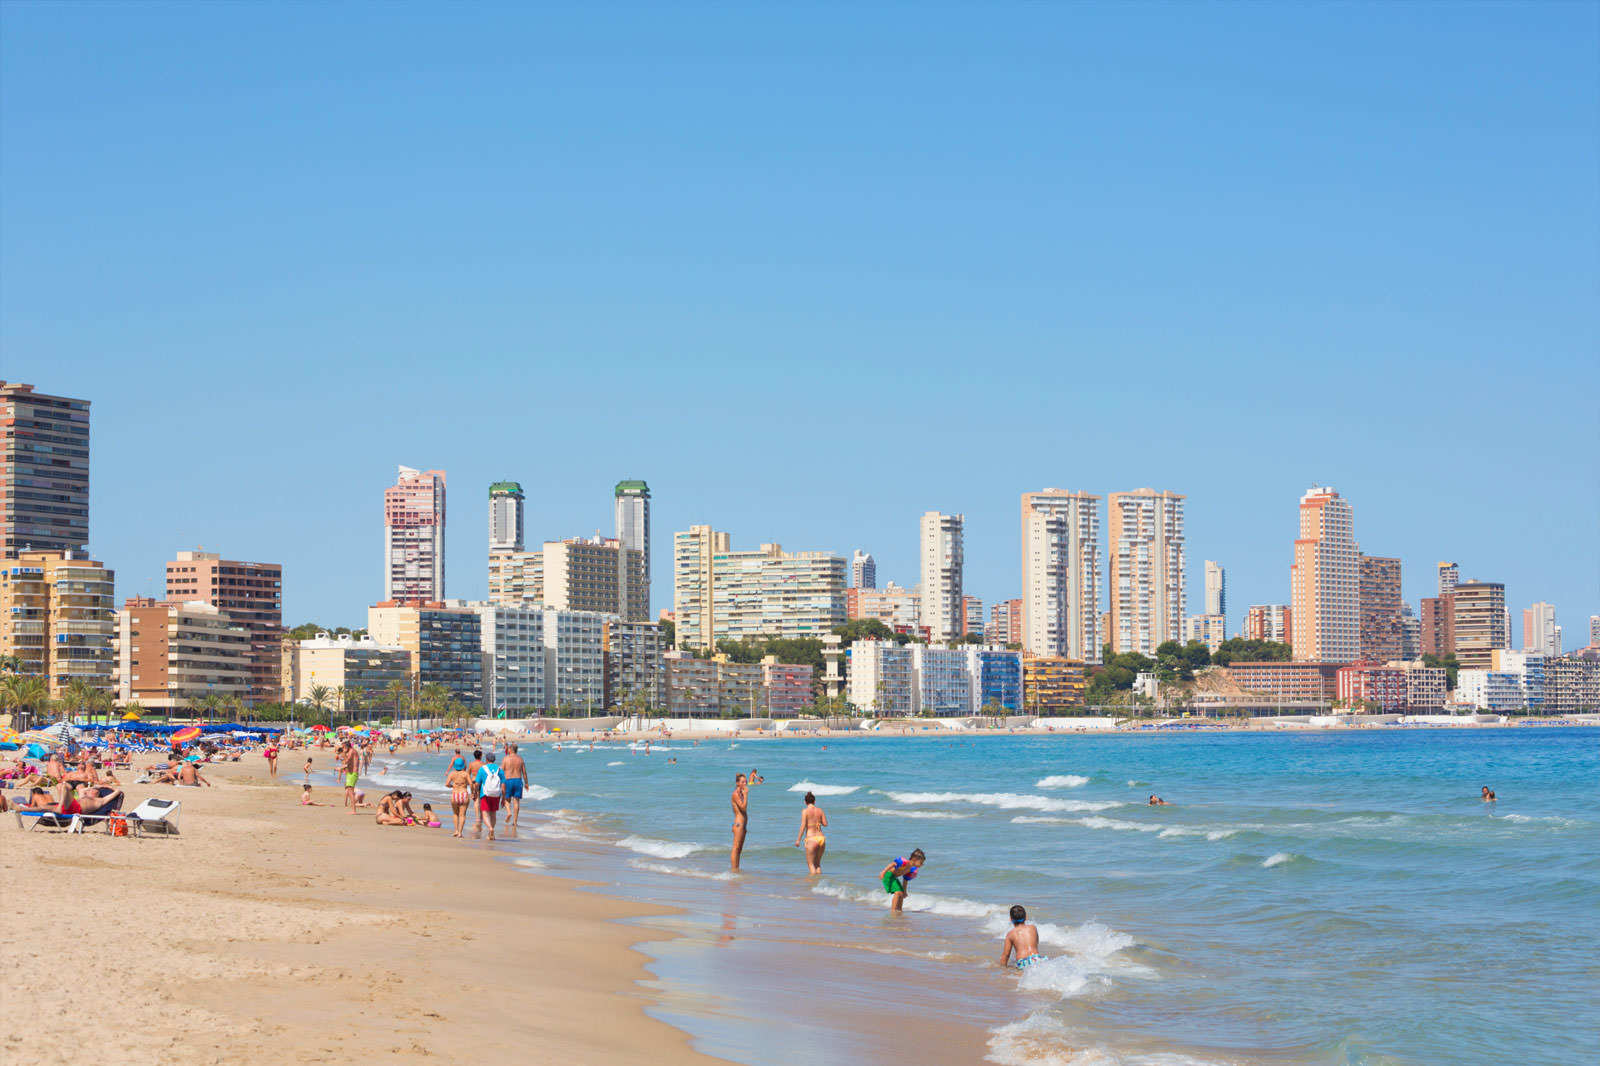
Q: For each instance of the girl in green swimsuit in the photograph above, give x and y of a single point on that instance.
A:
(898, 874)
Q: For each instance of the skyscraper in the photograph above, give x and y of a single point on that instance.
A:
(1325, 580)
(1216, 589)
(1539, 630)
(1147, 570)
(1380, 608)
(44, 472)
(1449, 576)
(413, 536)
(863, 570)
(505, 517)
(1480, 623)
(633, 525)
(252, 596)
(1061, 574)
(940, 553)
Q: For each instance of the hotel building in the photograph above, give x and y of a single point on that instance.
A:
(1325, 580)
(59, 619)
(1480, 623)
(721, 594)
(413, 536)
(940, 552)
(1061, 574)
(1147, 596)
(173, 655)
(345, 662)
(44, 472)
(1437, 629)
(1380, 608)
(633, 666)
(595, 574)
(505, 517)
(1288, 682)
(1216, 589)
(444, 641)
(1206, 628)
(633, 532)
(252, 594)
(516, 577)
(1449, 576)
(1269, 621)
(971, 616)
(882, 680)
(1051, 685)
(895, 607)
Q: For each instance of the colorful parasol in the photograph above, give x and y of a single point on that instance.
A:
(184, 735)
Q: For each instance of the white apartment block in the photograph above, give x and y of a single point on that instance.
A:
(513, 654)
(941, 681)
(882, 678)
(1489, 690)
(1529, 667)
(898, 608)
(940, 555)
(721, 594)
(1325, 580)
(1061, 574)
(1147, 597)
(863, 570)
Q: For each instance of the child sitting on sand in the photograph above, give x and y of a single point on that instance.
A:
(1022, 939)
(306, 800)
(898, 874)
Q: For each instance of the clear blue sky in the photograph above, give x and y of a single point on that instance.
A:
(812, 270)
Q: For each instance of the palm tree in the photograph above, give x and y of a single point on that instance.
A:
(133, 707)
(319, 696)
(208, 705)
(434, 697)
(396, 691)
(10, 664)
(102, 703)
(21, 692)
(355, 698)
(77, 696)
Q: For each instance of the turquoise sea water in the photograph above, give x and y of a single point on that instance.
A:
(1341, 897)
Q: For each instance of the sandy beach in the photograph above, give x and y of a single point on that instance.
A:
(268, 932)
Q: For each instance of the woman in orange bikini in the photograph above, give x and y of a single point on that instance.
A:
(812, 822)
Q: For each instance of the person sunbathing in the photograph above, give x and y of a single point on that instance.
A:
(39, 799)
(100, 800)
(189, 774)
(84, 774)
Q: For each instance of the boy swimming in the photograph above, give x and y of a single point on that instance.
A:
(898, 874)
(1022, 939)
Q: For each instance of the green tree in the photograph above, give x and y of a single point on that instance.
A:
(1447, 662)
(669, 632)
(1240, 649)
(320, 696)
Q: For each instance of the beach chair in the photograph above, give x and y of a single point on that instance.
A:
(50, 820)
(155, 816)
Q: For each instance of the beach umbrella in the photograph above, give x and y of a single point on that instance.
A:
(187, 733)
(61, 730)
(9, 745)
(131, 716)
(39, 737)
(319, 729)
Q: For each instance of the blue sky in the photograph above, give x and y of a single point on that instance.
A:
(812, 270)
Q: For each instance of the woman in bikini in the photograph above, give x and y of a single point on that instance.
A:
(812, 822)
(271, 753)
(460, 786)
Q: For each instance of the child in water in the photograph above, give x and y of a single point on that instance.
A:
(1022, 939)
(898, 874)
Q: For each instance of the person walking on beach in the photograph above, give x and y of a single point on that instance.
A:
(350, 765)
(271, 753)
(1023, 939)
(812, 822)
(472, 775)
(515, 773)
(897, 877)
(741, 818)
(490, 788)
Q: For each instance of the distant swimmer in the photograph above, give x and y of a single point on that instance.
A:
(1488, 794)
(897, 877)
(755, 778)
(1023, 939)
(741, 818)
(812, 823)
(1157, 801)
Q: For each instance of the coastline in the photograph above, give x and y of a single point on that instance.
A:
(271, 932)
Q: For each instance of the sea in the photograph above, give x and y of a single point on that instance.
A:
(1323, 897)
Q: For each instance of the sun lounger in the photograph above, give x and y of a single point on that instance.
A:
(59, 823)
(155, 816)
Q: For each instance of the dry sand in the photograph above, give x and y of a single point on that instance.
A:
(274, 933)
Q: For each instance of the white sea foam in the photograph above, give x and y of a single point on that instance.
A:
(1209, 834)
(531, 864)
(1278, 858)
(1006, 801)
(617, 763)
(531, 791)
(941, 815)
(1094, 821)
(1555, 821)
(1061, 781)
(661, 849)
(950, 906)
(1043, 1040)
(824, 790)
(681, 871)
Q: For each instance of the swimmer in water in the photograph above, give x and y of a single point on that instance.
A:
(1023, 939)
(1488, 794)
(1157, 801)
(812, 823)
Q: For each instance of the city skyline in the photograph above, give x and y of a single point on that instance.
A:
(782, 282)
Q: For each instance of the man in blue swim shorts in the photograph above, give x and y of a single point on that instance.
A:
(515, 772)
(1022, 939)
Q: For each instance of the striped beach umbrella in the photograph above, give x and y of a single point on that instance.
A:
(185, 734)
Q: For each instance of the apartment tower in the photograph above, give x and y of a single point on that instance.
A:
(863, 570)
(1061, 574)
(1449, 576)
(505, 517)
(252, 596)
(1146, 570)
(940, 554)
(633, 526)
(1325, 580)
(721, 594)
(1539, 630)
(58, 618)
(44, 472)
(1380, 608)
(1216, 589)
(1480, 623)
(1269, 621)
(413, 536)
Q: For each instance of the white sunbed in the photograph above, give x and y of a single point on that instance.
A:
(155, 816)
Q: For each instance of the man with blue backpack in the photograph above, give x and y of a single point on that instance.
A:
(491, 786)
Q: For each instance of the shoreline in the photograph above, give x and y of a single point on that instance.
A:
(270, 932)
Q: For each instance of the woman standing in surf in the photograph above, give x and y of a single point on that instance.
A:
(812, 822)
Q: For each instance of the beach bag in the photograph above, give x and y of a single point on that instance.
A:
(492, 785)
(118, 824)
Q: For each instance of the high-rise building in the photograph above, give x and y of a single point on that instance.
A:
(1005, 622)
(1594, 630)
(505, 517)
(252, 594)
(1216, 589)
(1325, 580)
(720, 594)
(173, 655)
(971, 616)
(1269, 621)
(1380, 608)
(1061, 574)
(444, 641)
(633, 666)
(59, 618)
(1480, 623)
(1051, 684)
(595, 574)
(1438, 626)
(863, 570)
(633, 527)
(1449, 576)
(1208, 629)
(1539, 630)
(44, 472)
(413, 536)
(941, 558)
(1147, 597)
(895, 607)
(346, 663)
(516, 577)
(1410, 633)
